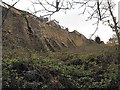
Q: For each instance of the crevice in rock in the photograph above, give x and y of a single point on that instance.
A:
(51, 48)
(71, 43)
(28, 25)
(55, 44)
(64, 45)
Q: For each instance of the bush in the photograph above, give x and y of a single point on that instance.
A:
(97, 39)
(93, 71)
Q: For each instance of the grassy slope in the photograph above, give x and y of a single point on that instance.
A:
(61, 70)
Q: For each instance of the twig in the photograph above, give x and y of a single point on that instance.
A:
(8, 10)
(95, 29)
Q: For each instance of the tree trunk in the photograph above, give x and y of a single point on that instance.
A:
(118, 37)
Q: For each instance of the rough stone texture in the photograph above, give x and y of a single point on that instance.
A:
(22, 29)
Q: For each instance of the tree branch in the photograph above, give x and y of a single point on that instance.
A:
(8, 10)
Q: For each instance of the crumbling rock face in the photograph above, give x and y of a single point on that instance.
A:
(22, 29)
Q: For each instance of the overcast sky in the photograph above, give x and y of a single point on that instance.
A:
(72, 20)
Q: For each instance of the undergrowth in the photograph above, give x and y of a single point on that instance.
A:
(65, 71)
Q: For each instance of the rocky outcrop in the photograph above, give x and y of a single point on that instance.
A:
(22, 29)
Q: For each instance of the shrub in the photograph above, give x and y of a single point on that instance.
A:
(93, 71)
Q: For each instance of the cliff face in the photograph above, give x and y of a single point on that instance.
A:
(22, 29)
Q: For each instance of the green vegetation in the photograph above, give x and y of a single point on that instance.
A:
(62, 70)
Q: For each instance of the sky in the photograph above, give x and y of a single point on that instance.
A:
(72, 20)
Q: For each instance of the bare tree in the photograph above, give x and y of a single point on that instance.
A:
(49, 8)
(100, 10)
